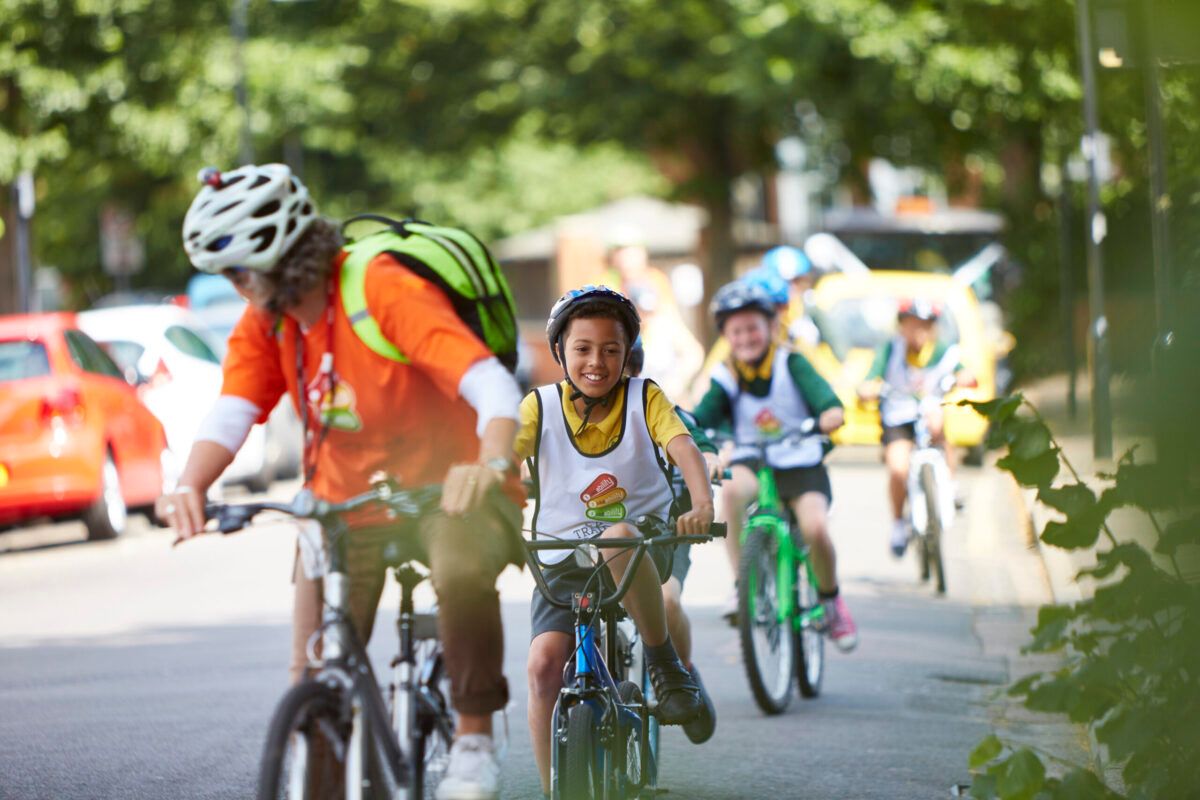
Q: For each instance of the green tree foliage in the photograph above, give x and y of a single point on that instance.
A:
(1131, 653)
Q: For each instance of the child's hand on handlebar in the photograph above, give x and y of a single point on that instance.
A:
(869, 391)
(696, 521)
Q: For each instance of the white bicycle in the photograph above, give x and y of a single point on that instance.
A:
(930, 494)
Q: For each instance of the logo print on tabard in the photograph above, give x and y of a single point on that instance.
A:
(603, 498)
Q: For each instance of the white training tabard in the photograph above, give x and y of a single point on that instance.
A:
(580, 495)
(911, 384)
(766, 418)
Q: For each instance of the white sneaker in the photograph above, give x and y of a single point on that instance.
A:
(473, 772)
(899, 540)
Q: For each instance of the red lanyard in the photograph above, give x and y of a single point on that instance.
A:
(324, 384)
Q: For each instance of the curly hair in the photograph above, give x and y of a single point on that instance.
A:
(305, 265)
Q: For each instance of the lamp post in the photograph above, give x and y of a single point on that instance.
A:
(1097, 230)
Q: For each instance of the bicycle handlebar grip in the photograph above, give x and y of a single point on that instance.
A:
(230, 519)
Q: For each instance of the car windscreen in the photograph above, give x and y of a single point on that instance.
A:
(922, 252)
(23, 359)
(88, 355)
(126, 354)
(867, 322)
(190, 343)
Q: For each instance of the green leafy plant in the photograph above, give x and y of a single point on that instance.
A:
(1130, 669)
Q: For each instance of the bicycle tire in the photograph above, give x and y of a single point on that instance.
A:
(429, 743)
(922, 557)
(634, 775)
(304, 722)
(933, 526)
(808, 643)
(758, 623)
(581, 775)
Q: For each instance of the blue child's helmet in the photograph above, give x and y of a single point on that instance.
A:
(787, 262)
(740, 296)
(573, 300)
(770, 282)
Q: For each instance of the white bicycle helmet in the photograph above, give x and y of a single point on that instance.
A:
(246, 218)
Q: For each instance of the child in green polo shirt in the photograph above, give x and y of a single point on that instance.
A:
(763, 392)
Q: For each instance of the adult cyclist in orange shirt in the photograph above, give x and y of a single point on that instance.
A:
(448, 415)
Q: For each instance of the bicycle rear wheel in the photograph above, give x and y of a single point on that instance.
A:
(809, 643)
(430, 742)
(305, 751)
(582, 773)
(767, 641)
(933, 526)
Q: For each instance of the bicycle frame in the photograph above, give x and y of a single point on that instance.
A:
(925, 452)
(771, 516)
(346, 665)
(589, 679)
(373, 754)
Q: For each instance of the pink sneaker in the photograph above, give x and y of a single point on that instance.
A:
(840, 624)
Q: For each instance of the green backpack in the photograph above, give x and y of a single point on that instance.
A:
(453, 260)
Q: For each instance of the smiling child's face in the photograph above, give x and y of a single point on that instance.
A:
(749, 335)
(916, 333)
(595, 354)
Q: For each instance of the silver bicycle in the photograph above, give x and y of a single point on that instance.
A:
(338, 734)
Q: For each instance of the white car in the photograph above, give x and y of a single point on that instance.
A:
(175, 360)
(213, 299)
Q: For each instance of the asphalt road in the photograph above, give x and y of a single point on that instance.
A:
(132, 669)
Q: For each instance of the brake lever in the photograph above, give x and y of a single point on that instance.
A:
(230, 519)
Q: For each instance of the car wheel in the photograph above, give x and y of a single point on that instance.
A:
(107, 517)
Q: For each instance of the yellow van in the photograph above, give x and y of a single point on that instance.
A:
(857, 313)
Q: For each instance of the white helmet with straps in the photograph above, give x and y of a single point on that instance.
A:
(246, 218)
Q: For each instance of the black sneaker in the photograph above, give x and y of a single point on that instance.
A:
(678, 695)
(701, 729)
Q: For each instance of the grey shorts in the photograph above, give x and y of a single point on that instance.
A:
(567, 578)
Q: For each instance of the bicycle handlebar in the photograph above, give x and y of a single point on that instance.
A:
(639, 543)
(808, 430)
(232, 517)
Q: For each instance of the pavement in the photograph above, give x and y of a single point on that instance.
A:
(130, 669)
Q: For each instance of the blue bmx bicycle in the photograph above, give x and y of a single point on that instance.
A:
(604, 742)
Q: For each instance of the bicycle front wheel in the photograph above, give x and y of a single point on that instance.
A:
(582, 774)
(933, 526)
(767, 642)
(304, 755)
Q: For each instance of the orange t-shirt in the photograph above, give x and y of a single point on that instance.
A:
(405, 419)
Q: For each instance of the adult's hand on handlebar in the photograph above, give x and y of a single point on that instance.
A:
(466, 486)
(696, 521)
(183, 511)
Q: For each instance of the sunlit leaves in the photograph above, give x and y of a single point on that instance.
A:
(1130, 654)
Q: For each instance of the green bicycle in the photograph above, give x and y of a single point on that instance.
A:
(781, 622)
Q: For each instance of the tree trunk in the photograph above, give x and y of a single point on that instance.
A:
(9, 300)
(718, 248)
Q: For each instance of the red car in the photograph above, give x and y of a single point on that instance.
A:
(75, 441)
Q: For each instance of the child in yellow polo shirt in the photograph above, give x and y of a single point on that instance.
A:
(595, 445)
